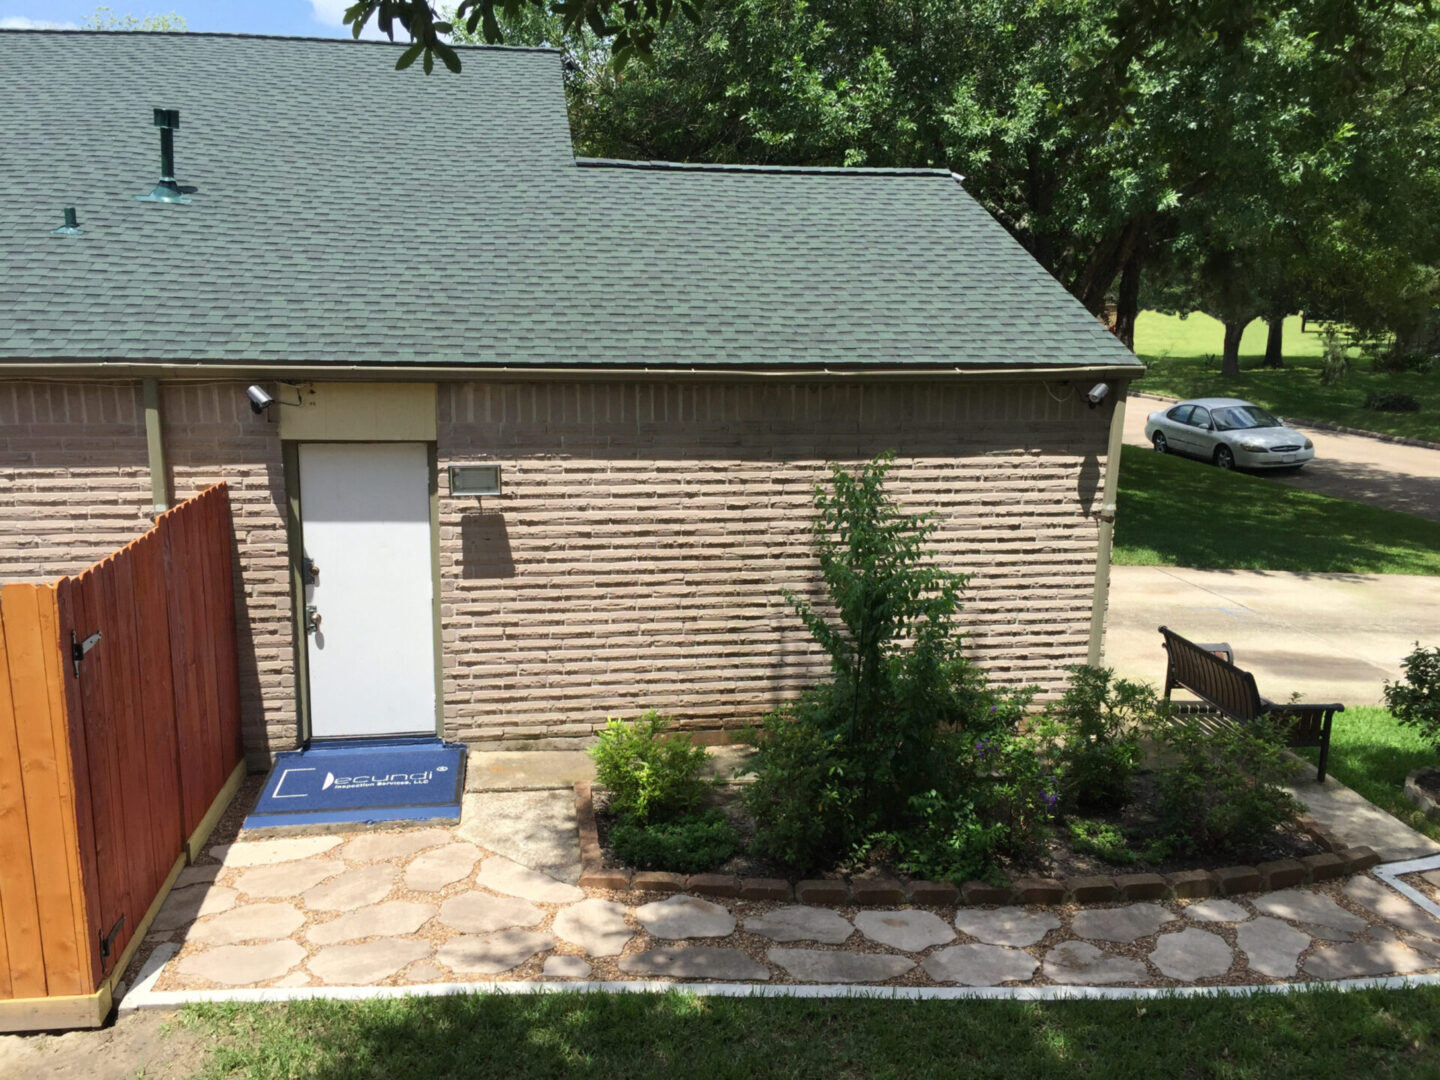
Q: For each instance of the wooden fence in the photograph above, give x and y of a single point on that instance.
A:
(119, 746)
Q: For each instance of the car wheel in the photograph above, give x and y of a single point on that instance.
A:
(1224, 458)
(1161, 446)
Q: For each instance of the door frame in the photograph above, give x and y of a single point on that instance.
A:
(295, 543)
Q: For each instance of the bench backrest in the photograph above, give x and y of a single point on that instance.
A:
(1211, 678)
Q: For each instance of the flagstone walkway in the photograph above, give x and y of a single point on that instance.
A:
(413, 906)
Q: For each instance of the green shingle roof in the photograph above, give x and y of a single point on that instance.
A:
(347, 213)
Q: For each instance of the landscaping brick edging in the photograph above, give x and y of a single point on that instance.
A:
(1334, 862)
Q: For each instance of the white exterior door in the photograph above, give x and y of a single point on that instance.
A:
(365, 513)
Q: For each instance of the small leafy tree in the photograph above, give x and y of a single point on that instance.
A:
(1415, 700)
(1098, 724)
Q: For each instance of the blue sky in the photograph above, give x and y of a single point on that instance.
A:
(305, 18)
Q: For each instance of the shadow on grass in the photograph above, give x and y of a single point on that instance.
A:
(1317, 1035)
(1177, 512)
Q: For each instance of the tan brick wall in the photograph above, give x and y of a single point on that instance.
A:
(638, 554)
(75, 486)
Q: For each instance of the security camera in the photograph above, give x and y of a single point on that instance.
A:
(1097, 393)
(259, 399)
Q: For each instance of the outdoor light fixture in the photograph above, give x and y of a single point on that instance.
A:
(474, 479)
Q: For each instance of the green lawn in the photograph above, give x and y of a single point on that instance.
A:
(1176, 512)
(1317, 1035)
(1372, 753)
(1183, 360)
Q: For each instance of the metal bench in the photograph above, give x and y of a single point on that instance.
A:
(1208, 671)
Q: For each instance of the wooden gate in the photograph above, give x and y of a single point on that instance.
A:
(119, 747)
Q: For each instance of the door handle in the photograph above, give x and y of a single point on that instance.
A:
(312, 619)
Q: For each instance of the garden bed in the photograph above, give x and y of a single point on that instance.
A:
(1422, 787)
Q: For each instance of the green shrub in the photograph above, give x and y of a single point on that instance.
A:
(688, 844)
(1020, 794)
(948, 840)
(1334, 365)
(648, 777)
(882, 730)
(1415, 700)
(1390, 401)
(1226, 790)
(1098, 723)
(1100, 839)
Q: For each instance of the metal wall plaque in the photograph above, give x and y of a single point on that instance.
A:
(474, 479)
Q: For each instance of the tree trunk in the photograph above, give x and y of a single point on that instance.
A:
(1275, 341)
(1230, 363)
(1127, 305)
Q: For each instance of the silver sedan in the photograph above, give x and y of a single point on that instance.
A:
(1229, 432)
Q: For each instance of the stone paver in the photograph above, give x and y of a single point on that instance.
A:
(908, 931)
(980, 965)
(534, 828)
(480, 913)
(502, 875)
(285, 880)
(597, 926)
(1272, 947)
(352, 889)
(243, 965)
(1347, 814)
(376, 847)
(682, 916)
(823, 966)
(1363, 958)
(254, 922)
(184, 906)
(1391, 906)
(490, 954)
(426, 971)
(1121, 924)
(1211, 911)
(197, 875)
(435, 869)
(1316, 909)
(1006, 926)
(1192, 954)
(800, 923)
(360, 965)
(263, 852)
(699, 962)
(379, 920)
(565, 967)
(1080, 963)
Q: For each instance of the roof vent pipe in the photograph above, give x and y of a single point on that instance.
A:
(167, 190)
(70, 228)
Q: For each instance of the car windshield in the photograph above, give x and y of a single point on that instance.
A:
(1236, 417)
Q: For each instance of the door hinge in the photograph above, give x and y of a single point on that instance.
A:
(107, 942)
(78, 648)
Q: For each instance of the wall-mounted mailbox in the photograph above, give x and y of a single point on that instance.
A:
(474, 479)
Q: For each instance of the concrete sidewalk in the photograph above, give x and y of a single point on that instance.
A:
(1327, 637)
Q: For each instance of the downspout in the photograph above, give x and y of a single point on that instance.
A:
(1107, 525)
(155, 447)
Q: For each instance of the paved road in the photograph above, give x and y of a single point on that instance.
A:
(1329, 637)
(1391, 475)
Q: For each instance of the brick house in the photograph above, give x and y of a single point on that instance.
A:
(660, 359)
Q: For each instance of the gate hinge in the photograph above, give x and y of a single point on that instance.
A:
(108, 941)
(78, 648)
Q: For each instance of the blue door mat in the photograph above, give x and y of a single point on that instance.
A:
(363, 780)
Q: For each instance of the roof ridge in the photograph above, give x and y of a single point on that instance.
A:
(812, 170)
(191, 34)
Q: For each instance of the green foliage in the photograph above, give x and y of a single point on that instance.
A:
(688, 844)
(947, 840)
(1415, 700)
(1101, 839)
(857, 750)
(1334, 364)
(103, 18)
(1225, 790)
(1099, 722)
(1018, 790)
(648, 777)
(1390, 401)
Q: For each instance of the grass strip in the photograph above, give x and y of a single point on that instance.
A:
(1318, 1035)
(1176, 512)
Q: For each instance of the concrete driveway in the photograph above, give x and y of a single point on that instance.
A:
(1391, 475)
(1329, 637)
